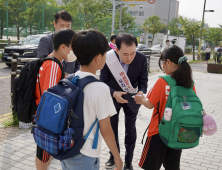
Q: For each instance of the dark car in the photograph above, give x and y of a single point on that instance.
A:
(144, 48)
(27, 48)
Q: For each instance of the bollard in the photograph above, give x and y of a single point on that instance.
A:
(148, 61)
(13, 72)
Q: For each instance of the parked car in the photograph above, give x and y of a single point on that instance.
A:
(156, 49)
(27, 48)
(144, 48)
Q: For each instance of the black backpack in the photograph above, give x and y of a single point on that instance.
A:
(24, 88)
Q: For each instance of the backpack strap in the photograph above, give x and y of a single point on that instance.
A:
(58, 62)
(84, 81)
(170, 80)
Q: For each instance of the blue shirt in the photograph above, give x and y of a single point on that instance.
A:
(125, 66)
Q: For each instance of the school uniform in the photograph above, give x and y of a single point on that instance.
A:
(155, 152)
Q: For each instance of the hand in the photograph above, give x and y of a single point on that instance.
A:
(119, 163)
(66, 74)
(140, 93)
(118, 96)
(140, 99)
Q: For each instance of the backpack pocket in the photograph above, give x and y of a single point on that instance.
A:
(46, 141)
(186, 132)
(165, 130)
(52, 112)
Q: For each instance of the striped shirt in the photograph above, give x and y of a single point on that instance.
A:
(49, 75)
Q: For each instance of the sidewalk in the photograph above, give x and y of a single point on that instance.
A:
(17, 147)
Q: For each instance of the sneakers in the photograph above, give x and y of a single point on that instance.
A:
(110, 163)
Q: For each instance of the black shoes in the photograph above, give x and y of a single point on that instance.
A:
(128, 166)
(110, 163)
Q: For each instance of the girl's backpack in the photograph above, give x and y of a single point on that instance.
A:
(181, 125)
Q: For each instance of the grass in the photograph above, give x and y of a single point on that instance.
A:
(12, 121)
(0, 56)
(195, 61)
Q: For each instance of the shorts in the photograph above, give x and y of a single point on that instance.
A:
(155, 153)
(42, 155)
(81, 161)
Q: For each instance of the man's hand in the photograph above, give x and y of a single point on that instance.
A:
(118, 96)
(140, 93)
(119, 163)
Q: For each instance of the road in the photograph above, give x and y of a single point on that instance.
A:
(5, 81)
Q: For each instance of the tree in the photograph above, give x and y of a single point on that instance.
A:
(214, 35)
(173, 27)
(93, 11)
(153, 25)
(21, 13)
(127, 22)
(192, 30)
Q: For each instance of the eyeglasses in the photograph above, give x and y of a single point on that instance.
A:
(162, 61)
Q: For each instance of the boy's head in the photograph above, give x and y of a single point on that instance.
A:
(167, 42)
(62, 42)
(113, 39)
(90, 47)
(62, 19)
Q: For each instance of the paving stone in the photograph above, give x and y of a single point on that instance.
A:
(17, 147)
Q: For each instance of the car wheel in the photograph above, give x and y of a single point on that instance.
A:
(8, 64)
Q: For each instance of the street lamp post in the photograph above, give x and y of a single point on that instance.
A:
(203, 26)
(113, 17)
(168, 19)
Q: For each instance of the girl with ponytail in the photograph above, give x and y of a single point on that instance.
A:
(155, 152)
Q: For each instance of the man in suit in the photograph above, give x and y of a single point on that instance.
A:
(62, 20)
(135, 66)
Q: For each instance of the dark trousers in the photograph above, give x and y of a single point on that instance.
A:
(130, 131)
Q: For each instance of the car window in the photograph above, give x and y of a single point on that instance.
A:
(31, 40)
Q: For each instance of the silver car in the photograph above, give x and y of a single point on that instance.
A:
(156, 49)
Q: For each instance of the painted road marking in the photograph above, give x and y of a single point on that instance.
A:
(5, 77)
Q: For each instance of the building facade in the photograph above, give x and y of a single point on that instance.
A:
(142, 9)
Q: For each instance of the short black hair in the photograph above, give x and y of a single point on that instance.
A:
(87, 44)
(127, 39)
(63, 15)
(167, 40)
(63, 36)
(113, 37)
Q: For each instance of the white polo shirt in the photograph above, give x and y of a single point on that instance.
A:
(97, 104)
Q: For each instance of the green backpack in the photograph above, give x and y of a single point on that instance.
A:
(181, 127)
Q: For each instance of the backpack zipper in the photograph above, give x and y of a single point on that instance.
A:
(41, 108)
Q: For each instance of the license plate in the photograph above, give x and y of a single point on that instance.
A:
(9, 58)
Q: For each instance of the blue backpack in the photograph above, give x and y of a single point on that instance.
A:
(60, 121)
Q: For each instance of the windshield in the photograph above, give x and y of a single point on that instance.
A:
(31, 40)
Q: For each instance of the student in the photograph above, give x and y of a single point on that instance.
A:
(168, 45)
(155, 152)
(112, 44)
(97, 101)
(49, 75)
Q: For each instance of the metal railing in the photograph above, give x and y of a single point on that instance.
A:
(148, 55)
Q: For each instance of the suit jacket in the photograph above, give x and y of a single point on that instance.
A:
(46, 47)
(138, 76)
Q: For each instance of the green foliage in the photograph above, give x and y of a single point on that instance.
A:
(192, 30)
(214, 35)
(12, 121)
(128, 22)
(1, 56)
(153, 25)
(188, 50)
(173, 27)
(203, 55)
